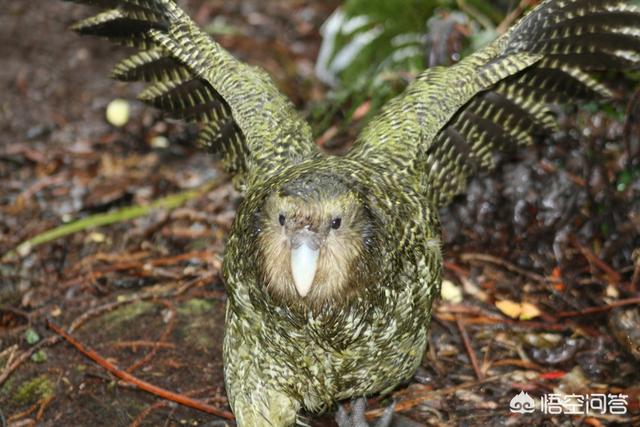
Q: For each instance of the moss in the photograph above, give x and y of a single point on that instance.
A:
(6, 388)
(36, 389)
(195, 306)
(127, 313)
(197, 327)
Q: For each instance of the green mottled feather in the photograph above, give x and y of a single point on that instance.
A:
(451, 121)
(244, 117)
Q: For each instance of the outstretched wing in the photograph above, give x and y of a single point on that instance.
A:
(450, 121)
(243, 116)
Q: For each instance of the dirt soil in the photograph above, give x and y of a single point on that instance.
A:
(544, 251)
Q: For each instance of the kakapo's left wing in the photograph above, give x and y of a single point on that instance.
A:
(451, 121)
(243, 116)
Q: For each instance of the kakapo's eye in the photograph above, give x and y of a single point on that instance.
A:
(281, 219)
(335, 223)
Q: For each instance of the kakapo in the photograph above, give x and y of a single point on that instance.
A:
(333, 262)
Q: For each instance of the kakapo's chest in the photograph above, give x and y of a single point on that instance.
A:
(323, 361)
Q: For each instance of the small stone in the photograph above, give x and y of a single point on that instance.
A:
(118, 112)
(96, 237)
(159, 141)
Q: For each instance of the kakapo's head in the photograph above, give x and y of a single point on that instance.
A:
(317, 241)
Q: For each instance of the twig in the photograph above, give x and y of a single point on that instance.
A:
(125, 214)
(459, 271)
(548, 167)
(506, 264)
(41, 184)
(514, 15)
(80, 320)
(112, 258)
(26, 355)
(202, 255)
(143, 385)
(519, 363)
(142, 415)
(162, 339)
(9, 352)
(43, 407)
(593, 259)
(469, 348)
(15, 417)
(16, 311)
(146, 411)
(143, 265)
(486, 320)
(161, 404)
(600, 309)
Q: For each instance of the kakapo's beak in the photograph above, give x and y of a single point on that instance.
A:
(305, 250)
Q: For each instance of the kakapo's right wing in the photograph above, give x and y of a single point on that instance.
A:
(244, 117)
(451, 121)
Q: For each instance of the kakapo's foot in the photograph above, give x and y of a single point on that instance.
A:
(357, 418)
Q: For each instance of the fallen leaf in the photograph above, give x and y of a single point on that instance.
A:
(516, 310)
(509, 308)
(529, 311)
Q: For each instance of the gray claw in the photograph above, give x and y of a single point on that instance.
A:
(387, 417)
(342, 418)
(357, 418)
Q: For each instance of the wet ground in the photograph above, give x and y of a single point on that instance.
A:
(555, 226)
